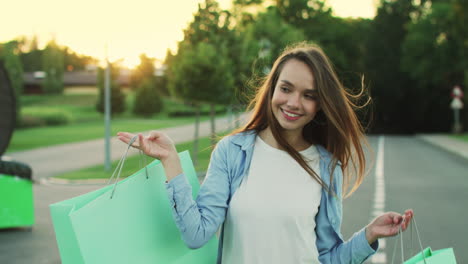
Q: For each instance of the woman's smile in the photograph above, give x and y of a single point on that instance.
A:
(291, 116)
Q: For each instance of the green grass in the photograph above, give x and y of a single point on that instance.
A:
(86, 123)
(31, 138)
(132, 164)
(463, 137)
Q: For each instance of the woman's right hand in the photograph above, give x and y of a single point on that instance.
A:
(157, 144)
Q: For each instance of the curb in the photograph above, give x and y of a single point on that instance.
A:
(445, 143)
(59, 181)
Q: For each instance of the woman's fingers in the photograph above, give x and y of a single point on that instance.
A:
(408, 215)
(126, 137)
(154, 135)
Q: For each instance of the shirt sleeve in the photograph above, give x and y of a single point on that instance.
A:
(198, 220)
(331, 247)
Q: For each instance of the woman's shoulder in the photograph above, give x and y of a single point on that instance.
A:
(241, 139)
(326, 155)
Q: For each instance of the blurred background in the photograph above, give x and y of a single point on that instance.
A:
(177, 63)
(410, 53)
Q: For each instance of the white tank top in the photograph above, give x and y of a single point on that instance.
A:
(271, 217)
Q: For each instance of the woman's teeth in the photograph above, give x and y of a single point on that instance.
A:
(289, 114)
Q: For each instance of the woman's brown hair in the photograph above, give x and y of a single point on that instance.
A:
(335, 127)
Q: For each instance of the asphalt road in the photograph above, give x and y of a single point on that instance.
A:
(417, 175)
(431, 181)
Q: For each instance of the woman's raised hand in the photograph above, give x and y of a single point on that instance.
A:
(157, 144)
(388, 224)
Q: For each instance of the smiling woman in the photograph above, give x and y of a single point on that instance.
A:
(274, 187)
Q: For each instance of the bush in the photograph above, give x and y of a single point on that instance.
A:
(27, 121)
(35, 116)
(117, 96)
(147, 100)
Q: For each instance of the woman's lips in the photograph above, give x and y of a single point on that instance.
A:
(291, 116)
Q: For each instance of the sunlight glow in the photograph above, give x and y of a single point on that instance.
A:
(129, 28)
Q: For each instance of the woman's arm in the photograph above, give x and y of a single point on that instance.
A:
(364, 243)
(197, 220)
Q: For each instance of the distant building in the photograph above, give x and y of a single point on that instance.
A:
(33, 80)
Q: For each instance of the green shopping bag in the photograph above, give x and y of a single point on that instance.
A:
(134, 226)
(445, 256)
(426, 256)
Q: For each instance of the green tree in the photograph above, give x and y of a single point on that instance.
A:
(392, 89)
(268, 36)
(434, 54)
(143, 72)
(9, 53)
(201, 71)
(147, 99)
(203, 74)
(76, 62)
(301, 13)
(53, 66)
(117, 96)
(31, 55)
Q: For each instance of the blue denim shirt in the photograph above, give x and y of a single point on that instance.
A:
(199, 220)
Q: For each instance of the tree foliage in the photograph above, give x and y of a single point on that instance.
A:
(9, 52)
(76, 62)
(147, 99)
(144, 72)
(434, 54)
(117, 96)
(392, 89)
(201, 70)
(53, 66)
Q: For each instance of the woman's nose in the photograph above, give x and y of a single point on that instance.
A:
(293, 101)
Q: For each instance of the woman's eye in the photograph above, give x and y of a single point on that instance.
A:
(311, 97)
(284, 89)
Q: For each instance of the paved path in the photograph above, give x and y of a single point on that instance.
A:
(55, 160)
(454, 146)
(410, 173)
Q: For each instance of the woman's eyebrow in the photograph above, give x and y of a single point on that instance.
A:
(306, 90)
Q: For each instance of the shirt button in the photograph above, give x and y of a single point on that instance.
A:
(333, 222)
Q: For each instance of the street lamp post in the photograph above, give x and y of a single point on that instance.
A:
(107, 114)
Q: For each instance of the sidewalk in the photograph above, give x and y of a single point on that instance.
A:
(51, 161)
(447, 143)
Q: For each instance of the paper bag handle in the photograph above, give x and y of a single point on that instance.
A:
(121, 163)
(400, 233)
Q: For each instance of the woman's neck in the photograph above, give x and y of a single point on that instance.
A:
(296, 141)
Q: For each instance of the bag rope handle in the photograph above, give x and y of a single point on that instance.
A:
(121, 163)
(400, 233)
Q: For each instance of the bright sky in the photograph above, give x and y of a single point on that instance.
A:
(128, 28)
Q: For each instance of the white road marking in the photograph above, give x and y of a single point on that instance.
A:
(379, 199)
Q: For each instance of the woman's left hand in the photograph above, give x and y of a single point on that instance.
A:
(388, 224)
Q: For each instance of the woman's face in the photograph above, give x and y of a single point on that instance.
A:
(295, 99)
